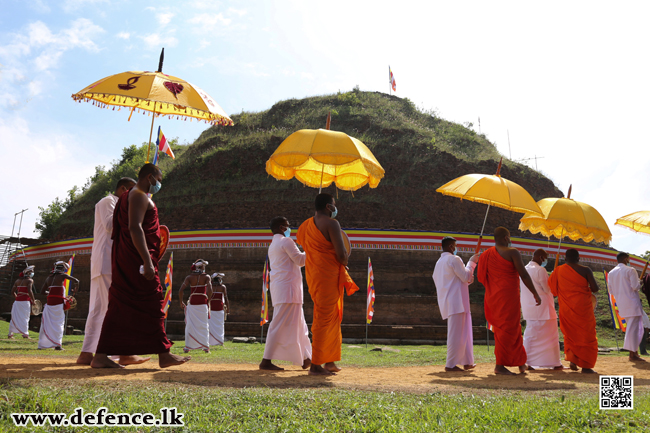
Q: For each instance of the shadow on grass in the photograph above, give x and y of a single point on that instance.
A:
(245, 379)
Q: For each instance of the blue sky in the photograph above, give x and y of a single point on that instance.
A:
(568, 81)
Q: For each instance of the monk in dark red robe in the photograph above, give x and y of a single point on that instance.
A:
(134, 322)
(499, 270)
(573, 284)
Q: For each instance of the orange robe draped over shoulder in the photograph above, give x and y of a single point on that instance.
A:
(577, 320)
(502, 307)
(326, 280)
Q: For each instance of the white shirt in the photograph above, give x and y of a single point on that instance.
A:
(452, 279)
(100, 256)
(285, 260)
(624, 285)
(546, 310)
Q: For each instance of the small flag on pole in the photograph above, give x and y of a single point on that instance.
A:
(168, 285)
(68, 272)
(370, 304)
(391, 80)
(617, 321)
(264, 317)
(163, 144)
(488, 326)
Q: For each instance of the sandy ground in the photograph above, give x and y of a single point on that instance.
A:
(406, 379)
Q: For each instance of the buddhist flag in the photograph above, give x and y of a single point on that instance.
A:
(168, 285)
(391, 80)
(163, 145)
(264, 317)
(488, 326)
(370, 304)
(617, 321)
(66, 292)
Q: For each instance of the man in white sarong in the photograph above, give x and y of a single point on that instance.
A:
(452, 279)
(100, 269)
(197, 334)
(219, 307)
(288, 336)
(53, 318)
(541, 337)
(624, 284)
(22, 307)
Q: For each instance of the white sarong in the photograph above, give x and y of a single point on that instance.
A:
(196, 327)
(52, 322)
(216, 328)
(96, 311)
(288, 336)
(542, 343)
(19, 324)
(645, 320)
(460, 340)
(633, 333)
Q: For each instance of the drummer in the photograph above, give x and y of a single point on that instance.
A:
(219, 307)
(21, 309)
(325, 268)
(53, 319)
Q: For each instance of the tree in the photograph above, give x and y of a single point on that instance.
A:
(646, 255)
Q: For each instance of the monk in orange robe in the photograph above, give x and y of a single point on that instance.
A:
(327, 278)
(573, 285)
(499, 270)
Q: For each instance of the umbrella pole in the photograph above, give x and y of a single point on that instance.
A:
(557, 256)
(321, 179)
(153, 117)
(645, 269)
(480, 238)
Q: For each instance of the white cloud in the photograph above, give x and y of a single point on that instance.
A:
(208, 22)
(123, 35)
(39, 6)
(156, 41)
(240, 12)
(164, 18)
(73, 5)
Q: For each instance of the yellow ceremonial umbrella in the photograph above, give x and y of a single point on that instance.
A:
(318, 157)
(638, 222)
(566, 217)
(161, 94)
(492, 190)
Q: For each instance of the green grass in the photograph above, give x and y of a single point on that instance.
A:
(321, 410)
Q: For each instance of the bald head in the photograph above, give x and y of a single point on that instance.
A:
(501, 236)
(539, 256)
(572, 256)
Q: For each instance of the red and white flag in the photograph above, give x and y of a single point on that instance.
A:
(391, 80)
(370, 303)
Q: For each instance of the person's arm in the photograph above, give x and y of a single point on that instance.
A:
(523, 273)
(465, 273)
(208, 289)
(31, 293)
(334, 230)
(106, 214)
(45, 285)
(76, 282)
(542, 279)
(592, 281)
(633, 276)
(186, 283)
(297, 257)
(14, 289)
(225, 298)
(138, 204)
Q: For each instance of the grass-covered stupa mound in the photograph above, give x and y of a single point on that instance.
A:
(220, 181)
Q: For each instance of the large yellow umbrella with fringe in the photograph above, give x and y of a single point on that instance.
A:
(564, 217)
(638, 222)
(156, 93)
(492, 190)
(320, 157)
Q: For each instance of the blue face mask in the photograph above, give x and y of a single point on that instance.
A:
(155, 188)
(509, 244)
(455, 251)
(544, 263)
(287, 232)
(336, 211)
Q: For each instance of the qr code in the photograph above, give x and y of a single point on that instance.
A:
(617, 392)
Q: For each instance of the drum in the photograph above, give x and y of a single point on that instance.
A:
(594, 301)
(37, 307)
(346, 242)
(164, 241)
(69, 303)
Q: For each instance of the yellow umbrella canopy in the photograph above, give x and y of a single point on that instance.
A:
(492, 190)
(637, 221)
(318, 157)
(565, 217)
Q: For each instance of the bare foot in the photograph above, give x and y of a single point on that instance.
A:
(588, 371)
(59, 348)
(456, 368)
(500, 369)
(85, 358)
(469, 366)
(132, 359)
(330, 366)
(306, 364)
(558, 368)
(11, 337)
(531, 368)
(167, 359)
(634, 356)
(102, 361)
(266, 364)
(522, 369)
(27, 337)
(317, 370)
(573, 367)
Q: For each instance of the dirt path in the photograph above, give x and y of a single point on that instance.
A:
(408, 379)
